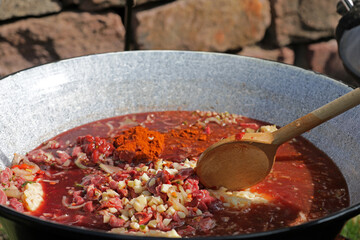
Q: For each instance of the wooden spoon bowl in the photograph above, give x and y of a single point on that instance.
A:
(240, 162)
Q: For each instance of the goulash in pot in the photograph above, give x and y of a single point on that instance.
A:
(134, 174)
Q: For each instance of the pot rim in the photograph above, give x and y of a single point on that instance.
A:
(255, 59)
(343, 215)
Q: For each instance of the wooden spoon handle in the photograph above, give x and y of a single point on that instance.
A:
(317, 117)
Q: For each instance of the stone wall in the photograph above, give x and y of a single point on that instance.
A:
(297, 32)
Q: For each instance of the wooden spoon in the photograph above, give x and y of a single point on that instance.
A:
(241, 161)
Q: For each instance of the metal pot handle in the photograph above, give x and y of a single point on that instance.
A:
(348, 4)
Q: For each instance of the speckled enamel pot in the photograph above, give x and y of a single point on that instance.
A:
(40, 102)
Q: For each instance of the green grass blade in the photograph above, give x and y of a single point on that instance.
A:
(351, 229)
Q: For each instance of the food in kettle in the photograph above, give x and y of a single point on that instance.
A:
(134, 174)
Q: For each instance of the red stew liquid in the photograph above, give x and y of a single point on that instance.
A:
(304, 184)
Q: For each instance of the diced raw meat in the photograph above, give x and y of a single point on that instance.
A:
(15, 204)
(5, 175)
(89, 207)
(116, 222)
(3, 197)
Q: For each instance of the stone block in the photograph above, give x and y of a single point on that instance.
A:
(21, 8)
(203, 25)
(35, 41)
(299, 21)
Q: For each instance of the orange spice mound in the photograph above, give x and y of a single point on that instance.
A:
(139, 144)
(188, 133)
(185, 143)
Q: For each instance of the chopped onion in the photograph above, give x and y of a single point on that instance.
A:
(55, 174)
(78, 161)
(169, 123)
(111, 127)
(13, 192)
(69, 206)
(109, 161)
(28, 176)
(178, 206)
(202, 124)
(213, 119)
(149, 119)
(183, 193)
(59, 218)
(50, 181)
(17, 159)
(128, 123)
(67, 163)
(109, 168)
(34, 165)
